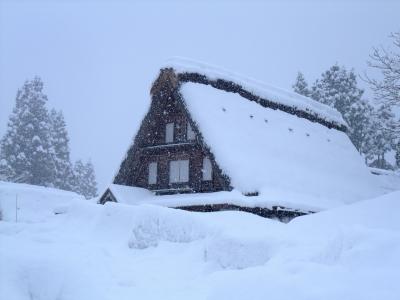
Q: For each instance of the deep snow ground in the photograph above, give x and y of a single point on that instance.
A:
(89, 251)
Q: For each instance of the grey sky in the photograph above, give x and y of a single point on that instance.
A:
(98, 60)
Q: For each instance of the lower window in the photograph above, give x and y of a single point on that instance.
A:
(152, 173)
(178, 171)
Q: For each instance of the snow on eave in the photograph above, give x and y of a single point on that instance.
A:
(260, 89)
(128, 194)
(138, 196)
(377, 171)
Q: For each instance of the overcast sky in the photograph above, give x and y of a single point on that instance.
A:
(98, 60)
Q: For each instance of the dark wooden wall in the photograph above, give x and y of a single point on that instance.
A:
(149, 146)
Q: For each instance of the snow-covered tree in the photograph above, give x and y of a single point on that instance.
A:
(78, 176)
(5, 170)
(397, 155)
(337, 88)
(91, 184)
(387, 61)
(63, 177)
(301, 85)
(371, 130)
(361, 116)
(26, 154)
(85, 181)
(384, 136)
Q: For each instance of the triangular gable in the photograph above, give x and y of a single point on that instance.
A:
(167, 106)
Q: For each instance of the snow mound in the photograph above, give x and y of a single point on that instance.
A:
(30, 203)
(376, 213)
(238, 252)
(166, 225)
(389, 181)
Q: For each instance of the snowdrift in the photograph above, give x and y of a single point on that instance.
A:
(119, 251)
(388, 181)
(30, 203)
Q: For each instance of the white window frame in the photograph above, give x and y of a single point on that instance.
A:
(169, 132)
(207, 169)
(179, 171)
(152, 178)
(190, 134)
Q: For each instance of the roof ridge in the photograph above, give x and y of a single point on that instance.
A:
(233, 87)
(259, 92)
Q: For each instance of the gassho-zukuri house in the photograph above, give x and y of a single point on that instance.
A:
(212, 140)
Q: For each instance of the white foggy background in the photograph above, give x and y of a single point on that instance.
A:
(98, 60)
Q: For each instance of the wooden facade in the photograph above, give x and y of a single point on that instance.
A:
(151, 145)
(107, 196)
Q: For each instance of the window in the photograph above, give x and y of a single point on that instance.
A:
(169, 133)
(152, 173)
(207, 169)
(178, 171)
(190, 135)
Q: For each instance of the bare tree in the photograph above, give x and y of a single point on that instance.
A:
(387, 61)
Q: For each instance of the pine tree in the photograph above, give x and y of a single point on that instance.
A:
(63, 177)
(360, 120)
(25, 148)
(301, 85)
(85, 182)
(78, 172)
(384, 136)
(337, 88)
(6, 173)
(397, 155)
(91, 184)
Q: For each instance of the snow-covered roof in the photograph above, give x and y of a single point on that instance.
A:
(260, 89)
(129, 195)
(289, 160)
(136, 196)
(276, 153)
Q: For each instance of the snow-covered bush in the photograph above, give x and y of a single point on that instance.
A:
(166, 225)
(238, 252)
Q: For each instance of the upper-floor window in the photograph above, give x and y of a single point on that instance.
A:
(178, 171)
(152, 173)
(190, 134)
(169, 133)
(207, 169)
